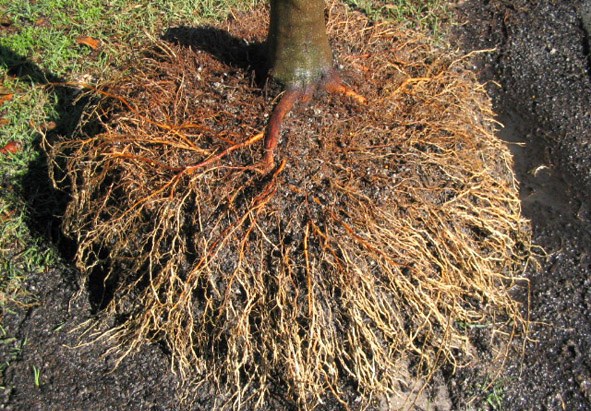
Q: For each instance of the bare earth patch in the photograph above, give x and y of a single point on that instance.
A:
(542, 93)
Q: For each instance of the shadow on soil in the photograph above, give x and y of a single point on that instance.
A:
(230, 50)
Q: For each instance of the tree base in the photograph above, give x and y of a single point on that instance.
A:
(330, 84)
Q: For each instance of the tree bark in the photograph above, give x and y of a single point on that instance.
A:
(298, 51)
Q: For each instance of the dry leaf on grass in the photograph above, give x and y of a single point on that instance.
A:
(11, 147)
(5, 97)
(89, 41)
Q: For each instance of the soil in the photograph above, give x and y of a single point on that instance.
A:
(539, 77)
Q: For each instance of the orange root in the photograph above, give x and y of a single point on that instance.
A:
(336, 85)
(333, 84)
(274, 127)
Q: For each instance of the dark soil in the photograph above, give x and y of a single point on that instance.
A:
(72, 377)
(541, 71)
(540, 81)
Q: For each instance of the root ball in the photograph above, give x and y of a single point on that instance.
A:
(387, 229)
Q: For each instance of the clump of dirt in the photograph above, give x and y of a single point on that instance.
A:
(384, 234)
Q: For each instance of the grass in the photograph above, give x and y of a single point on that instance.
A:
(425, 14)
(21, 252)
(37, 376)
(492, 395)
(11, 349)
(495, 398)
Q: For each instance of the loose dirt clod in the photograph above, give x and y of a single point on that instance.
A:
(386, 231)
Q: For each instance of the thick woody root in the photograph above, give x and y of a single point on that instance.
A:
(273, 131)
(331, 84)
(387, 232)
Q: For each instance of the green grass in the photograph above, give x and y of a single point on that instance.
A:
(21, 252)
(12, 349)
(37, 376)
(427, 15)
(46, 31)
(494, 399)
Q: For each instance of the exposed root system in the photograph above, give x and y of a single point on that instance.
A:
(383, 234)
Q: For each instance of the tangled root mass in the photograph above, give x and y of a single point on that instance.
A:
(385, 231)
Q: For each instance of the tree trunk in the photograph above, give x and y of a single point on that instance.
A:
(298, 51)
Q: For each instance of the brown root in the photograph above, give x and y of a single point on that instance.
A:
(289, 98)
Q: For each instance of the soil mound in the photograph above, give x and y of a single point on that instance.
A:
(384, 234)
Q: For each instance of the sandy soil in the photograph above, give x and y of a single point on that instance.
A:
(539, 77)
